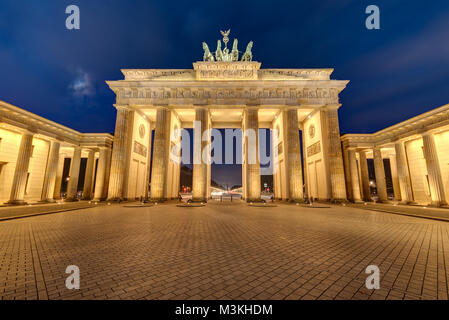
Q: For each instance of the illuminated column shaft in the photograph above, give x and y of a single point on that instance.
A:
(88, 176)
(104, 161)
(199, 179)
(119, 153)
(394, 178)
(403, 173)
(354, 176)
(252, 154)
(379, 171)
(48, 189)
(148, 172)
(348, 178)
(433, 170)
(334, 153)
(58, 180)
(72, 186)
(364, 176)
(294, 167)
(304, 152)
(160, 156)
(21, 171)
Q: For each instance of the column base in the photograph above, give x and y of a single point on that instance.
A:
(339, 201)
(47, 201)
(255, 200)
(16, 202)
(297, 201)
(71, 200)
(408, 203)
(357, 201)
(116, 199)
(438, 204)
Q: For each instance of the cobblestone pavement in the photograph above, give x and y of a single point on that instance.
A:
(418, 211)
(12, 212)
(223, 252)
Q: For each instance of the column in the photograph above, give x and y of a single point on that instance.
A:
(347, 173)
(58, 180)
(394, 178)
(119, 153)
(148, 172)
(304, 152)
(251, 137)
(48, 189)
(405, 184)
(329, 118)
(21, 172)
(160, 155)
(354, 175)
(379, 171)
(102, 171)
(293, 155)
(199, 179)
(72, 186)
(89, 174)
(364, 176)
(433, 170)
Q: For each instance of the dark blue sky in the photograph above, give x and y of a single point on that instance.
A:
(396, 72)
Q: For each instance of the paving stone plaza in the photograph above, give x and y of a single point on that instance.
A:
(223, 251)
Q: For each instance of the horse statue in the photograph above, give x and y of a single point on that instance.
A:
(235, 51)
(207, 54)
(248, 56)
(218, 52)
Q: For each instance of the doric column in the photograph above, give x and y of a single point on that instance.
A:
(433, 170)
(51, 172)
(403, 173)
(148, 168)
(379, 171)
(293, 154)
(160, 155)
(199, 179)
(329, 118)
(306, 181)
(58, 180)
(21, 172)
(102, 173)
(364, 176)
(354, 175)
(347, 173)
(119, 153)
(251, 137)
(72, 186)
(394, 178)
(89, 174)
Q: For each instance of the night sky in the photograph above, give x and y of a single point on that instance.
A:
(396, 72)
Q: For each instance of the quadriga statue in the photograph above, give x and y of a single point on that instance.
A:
(207, 54)
(248, 55)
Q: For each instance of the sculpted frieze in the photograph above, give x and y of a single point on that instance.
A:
(285, 74)
(146, 95)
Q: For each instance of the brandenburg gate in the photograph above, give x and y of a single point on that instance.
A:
(225, 91)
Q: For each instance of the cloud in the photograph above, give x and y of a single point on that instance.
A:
(82, 85)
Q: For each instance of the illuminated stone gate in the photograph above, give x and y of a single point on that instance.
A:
(222, 92)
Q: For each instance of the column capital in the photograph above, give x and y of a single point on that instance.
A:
(252, 107)
(426, 133)
(331, 107)
(290, 107)
(122, 107)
